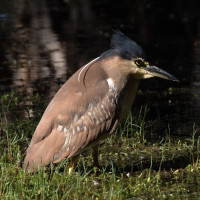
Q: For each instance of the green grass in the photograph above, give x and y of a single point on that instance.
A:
(137, 162)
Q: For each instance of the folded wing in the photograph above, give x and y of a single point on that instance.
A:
(82, 112)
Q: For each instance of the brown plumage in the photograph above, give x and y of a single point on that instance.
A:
(88, 107)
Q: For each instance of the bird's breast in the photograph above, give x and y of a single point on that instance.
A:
(127, 97)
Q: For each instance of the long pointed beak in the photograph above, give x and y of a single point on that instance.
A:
(155, 71)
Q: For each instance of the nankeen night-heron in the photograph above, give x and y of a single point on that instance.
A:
(89, 106)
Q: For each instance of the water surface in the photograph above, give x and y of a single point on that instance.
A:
(42, 43)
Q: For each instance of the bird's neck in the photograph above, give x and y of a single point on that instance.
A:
(125, 82)
(127, 96)
(118, 69)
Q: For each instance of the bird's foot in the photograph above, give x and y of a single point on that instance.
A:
(72, 165)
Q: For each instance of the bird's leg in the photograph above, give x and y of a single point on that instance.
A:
(72, 164)
(95, 155)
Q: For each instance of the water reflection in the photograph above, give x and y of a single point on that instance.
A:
(195, 81)
(45, 42)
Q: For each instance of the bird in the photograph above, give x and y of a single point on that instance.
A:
(90, 104)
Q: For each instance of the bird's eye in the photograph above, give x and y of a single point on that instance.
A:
(138, 62)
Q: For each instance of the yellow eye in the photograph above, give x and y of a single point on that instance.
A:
(138, 62)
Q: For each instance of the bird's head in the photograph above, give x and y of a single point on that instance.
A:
(133, 54)
(142, 69)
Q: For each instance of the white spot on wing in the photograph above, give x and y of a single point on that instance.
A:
(60, 127)
(76, 117)
(65, 130)
(89, 113)
(94, 115)
(97, 121)
(78, 129)
(85, 128)
(101, 119)
(79, 75)
(107, 108)
(67, 139)
(103, 108)
(70, 137)
(73, 131)
(79, 93)
(111, 83)
(90, 106)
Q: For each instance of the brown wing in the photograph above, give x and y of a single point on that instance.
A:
(82, 112)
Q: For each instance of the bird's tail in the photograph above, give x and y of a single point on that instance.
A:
(37, 156)
(43, 152)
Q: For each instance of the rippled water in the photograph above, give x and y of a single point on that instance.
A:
(42, 43)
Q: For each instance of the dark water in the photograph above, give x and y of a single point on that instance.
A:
(42, 43)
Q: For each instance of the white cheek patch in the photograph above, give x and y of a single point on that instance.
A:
(111, 83)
